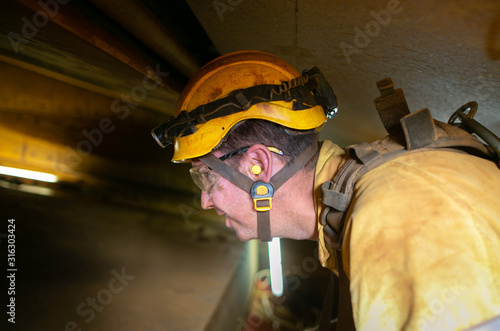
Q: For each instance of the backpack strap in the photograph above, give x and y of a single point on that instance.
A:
(408, 133)
(391, 105)
(413, 132)
(344, 320)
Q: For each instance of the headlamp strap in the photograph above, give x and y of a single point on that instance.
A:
(261, 192)
(237, 101)
(306, 91)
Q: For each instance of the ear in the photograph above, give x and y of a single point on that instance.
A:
(258, 155)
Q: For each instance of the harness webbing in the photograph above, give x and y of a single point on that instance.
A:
(263, 202)
(408, 133)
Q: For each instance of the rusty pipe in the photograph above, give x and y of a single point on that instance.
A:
(135, 17)
(73, 21)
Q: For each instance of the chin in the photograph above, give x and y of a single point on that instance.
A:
(244, 237)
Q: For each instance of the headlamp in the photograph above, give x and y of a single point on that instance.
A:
(306, 91)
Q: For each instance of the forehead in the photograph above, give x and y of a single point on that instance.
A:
(196, 162)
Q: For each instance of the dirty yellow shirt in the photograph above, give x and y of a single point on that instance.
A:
(421, 241)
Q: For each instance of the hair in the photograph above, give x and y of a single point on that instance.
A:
(290, 141)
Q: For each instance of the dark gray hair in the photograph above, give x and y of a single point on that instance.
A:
(290, 141)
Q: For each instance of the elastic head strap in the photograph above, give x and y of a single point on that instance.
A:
(228, 172)
(290, 169)
(281, 177)
(261, 192)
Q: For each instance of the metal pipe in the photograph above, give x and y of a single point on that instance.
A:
(471, 124)
(72, 20)
(489, 137)
(135, 17)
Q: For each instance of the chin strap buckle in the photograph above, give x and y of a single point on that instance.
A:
(262, 195)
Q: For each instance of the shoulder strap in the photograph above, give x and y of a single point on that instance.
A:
(408, 133)
(344, 320)
(411, 133)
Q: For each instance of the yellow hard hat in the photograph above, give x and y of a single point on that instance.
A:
(240, 86)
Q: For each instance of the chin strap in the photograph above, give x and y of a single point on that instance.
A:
(262, 193)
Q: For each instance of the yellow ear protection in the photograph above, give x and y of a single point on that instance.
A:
(256, 169)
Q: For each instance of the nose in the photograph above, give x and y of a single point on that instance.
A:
(206, 201)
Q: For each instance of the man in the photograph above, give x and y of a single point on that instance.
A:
(420, 241)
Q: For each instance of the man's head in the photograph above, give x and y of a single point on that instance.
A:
(258, 150)
(258, 115)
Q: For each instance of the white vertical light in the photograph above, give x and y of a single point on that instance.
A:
(45, 177)
(276, 272)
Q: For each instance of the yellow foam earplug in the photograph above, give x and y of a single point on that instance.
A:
(256, 169)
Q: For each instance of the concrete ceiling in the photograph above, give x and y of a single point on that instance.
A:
(76, 66)
(442, 53)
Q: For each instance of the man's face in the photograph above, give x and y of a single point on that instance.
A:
(230, 200)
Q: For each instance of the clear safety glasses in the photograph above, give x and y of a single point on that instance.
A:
(205, 178)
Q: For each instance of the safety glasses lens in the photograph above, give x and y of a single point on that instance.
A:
(203, 177)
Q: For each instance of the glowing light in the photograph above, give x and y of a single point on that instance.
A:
(42, 176)
(276, 272)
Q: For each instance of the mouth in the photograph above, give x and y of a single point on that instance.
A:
(220, 213)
